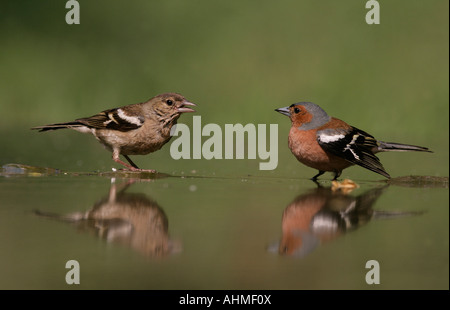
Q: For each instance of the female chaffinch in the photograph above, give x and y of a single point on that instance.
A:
(135, 129)
(329, 144)
(130, 219)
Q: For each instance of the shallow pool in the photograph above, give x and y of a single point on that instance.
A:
(144, 231)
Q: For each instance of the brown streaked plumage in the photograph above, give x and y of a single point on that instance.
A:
(130, 219)
(136, 129)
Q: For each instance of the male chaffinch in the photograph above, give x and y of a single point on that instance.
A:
(323, 214)
(135, 129)
(330, 144)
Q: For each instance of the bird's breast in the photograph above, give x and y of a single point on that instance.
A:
(139, 141)
(304, 146)
(306, 149)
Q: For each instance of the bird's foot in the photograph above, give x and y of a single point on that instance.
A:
(139, 170)
(132, 166)
(147, 170)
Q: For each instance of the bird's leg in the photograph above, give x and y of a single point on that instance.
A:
(116, 158)
(132, 166)
(317, 183)
(314, 178)
(337, 174)
(131, 162)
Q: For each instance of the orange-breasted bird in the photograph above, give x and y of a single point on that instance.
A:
(135, 129)
(324, 214)
(326, 143)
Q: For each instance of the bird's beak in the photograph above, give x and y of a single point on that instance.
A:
(183, 109)
(284, 111)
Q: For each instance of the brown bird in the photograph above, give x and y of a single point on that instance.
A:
(130, 219)
(136, 129)
(329, 144)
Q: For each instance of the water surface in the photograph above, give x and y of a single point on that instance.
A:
(133, 231)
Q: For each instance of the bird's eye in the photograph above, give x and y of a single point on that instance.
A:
(297, 110)
(169, 102)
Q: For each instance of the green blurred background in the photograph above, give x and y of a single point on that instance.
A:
(238, 61)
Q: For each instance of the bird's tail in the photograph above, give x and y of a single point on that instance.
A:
(391, 146)
(58, 126)
(70, 218)
(379, 214)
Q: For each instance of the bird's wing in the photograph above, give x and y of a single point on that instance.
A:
(353, 145)
(115, 119)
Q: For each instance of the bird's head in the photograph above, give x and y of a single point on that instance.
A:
(305, 115)
(170, 106)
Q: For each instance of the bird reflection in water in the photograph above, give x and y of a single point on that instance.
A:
(324, 214)
(129, 219)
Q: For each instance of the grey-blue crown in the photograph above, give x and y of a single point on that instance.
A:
(320, 117)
